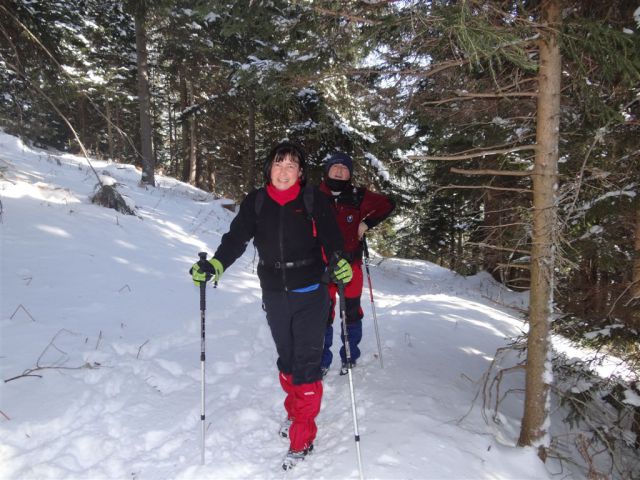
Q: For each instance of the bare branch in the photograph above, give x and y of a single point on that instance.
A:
(502, 249)
(506, 173)
(485, 187)
(481, 153)
(463, 96)
(523, 266)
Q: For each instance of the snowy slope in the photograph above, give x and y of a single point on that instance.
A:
(105, 299)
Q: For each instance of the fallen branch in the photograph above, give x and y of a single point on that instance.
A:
(29, 372)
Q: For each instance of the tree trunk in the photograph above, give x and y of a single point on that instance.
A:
(109, 129)
(193, 160)
(254, 181)
(491, 223)
(635, 289)
(545, 177)
(148, 176)
(173, 161)
(82, 113)
(186, 167)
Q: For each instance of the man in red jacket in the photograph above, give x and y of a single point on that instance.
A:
(357, 210)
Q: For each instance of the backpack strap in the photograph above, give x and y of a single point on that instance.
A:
(259, 200)
(307, 198)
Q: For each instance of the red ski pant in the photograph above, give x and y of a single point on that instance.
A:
(297, 321)
(302, 405)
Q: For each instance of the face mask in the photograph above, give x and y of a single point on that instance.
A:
(336, 185)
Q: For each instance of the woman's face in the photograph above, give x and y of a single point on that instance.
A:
(285, 173)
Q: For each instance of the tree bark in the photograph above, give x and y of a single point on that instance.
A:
(173, 161)
(251, 154)
(193, 159)
(109, 128)
(635, 290)
(146, 150)
(186, 167)
(82, 114)
(534, 428)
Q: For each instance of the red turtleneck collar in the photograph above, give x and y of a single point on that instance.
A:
(281, 197)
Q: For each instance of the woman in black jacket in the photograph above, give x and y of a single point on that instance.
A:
(294, 232)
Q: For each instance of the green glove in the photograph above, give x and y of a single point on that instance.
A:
(203, 271)
(341, 273)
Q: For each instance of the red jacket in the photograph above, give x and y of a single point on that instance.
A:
(355, 205)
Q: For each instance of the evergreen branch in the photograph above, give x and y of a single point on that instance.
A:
(38, 90)
(348, 16)
(70, 78)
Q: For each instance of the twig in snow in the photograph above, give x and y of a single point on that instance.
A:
(55, 366)
(139, 349)
(25, 311)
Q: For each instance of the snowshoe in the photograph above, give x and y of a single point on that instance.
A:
(345, 367)
(291, 459)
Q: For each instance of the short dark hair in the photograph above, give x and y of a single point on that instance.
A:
(279, 153)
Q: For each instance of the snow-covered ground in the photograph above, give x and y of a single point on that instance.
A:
(100, 305)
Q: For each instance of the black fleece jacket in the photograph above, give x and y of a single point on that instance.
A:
(284, 234)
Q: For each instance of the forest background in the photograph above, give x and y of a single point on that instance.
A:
(438, 102)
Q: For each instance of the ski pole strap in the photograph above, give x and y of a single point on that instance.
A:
(286, 265)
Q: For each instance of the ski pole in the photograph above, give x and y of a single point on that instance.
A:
(373, 305)
(347, 349)
(205, 267)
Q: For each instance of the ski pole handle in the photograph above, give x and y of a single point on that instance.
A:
(207, 268)
(365, 247)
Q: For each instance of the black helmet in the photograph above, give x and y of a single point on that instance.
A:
(280, 151)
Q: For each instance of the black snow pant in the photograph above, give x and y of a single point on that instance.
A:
(297, 321)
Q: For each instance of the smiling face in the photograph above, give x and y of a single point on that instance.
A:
(285, 172)
(338, 171)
